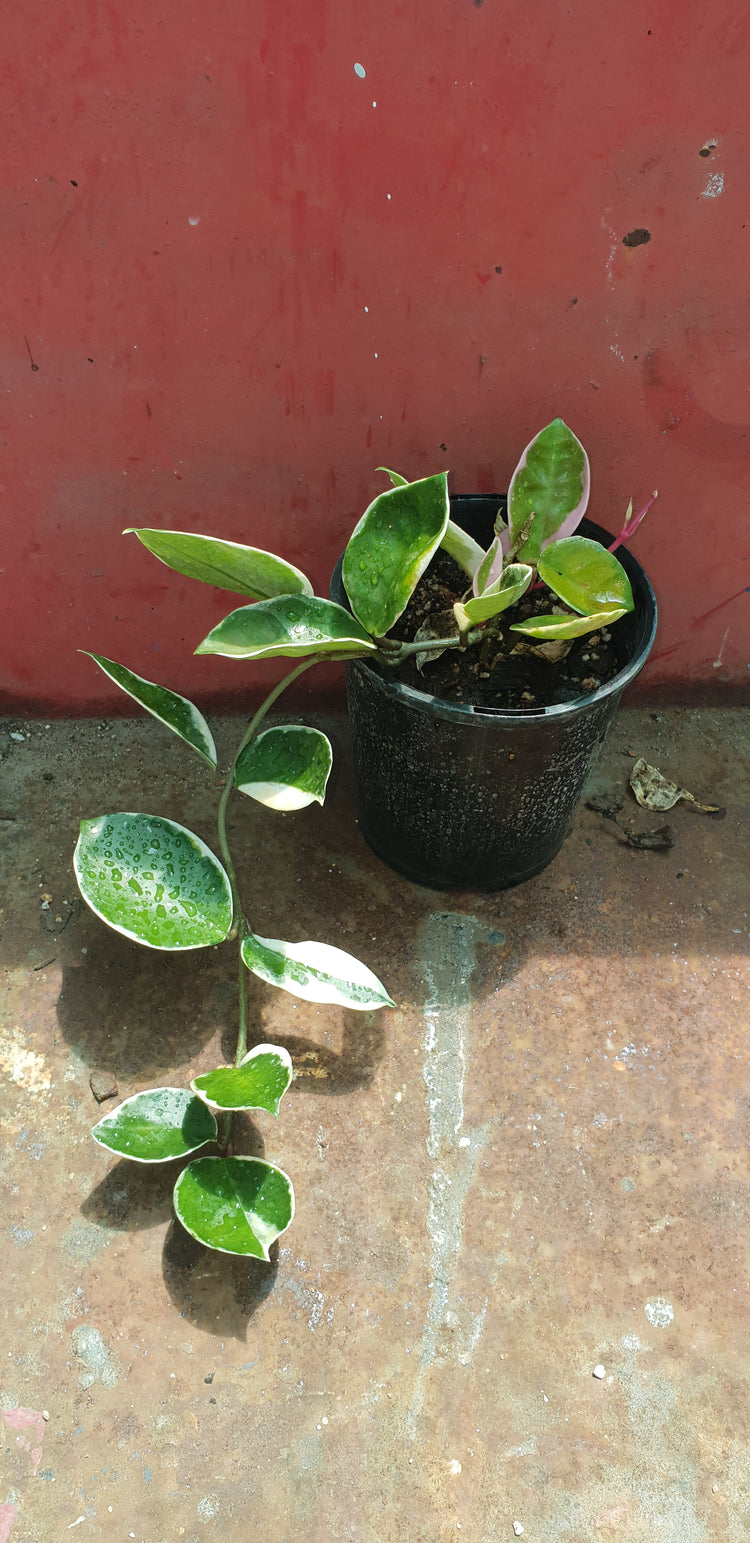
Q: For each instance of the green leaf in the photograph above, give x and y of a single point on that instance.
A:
(316, 972)
(245, 570)
(568, 626)
(259, 1082)
(175, 711)
(237, 1205)
(157, 1125)
(395, 476)
(505, 591)
(585, 575)
(462, 548)
(390, 548)
(153, 880)
(292, 626)
(285, 768)
(551, 484)
(490, 569)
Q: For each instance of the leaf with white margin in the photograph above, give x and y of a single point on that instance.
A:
(490, 569)
(236, 1205)
(395, 476)
(175, 711)
(154, 881)
(243, 570)
(568, 626)
(285, 768)
(390, 547)
(259, 1082)
(512, 584)
(549, 488)
(316, 972)
(292, 626)
(157, 1125)
(462, 548)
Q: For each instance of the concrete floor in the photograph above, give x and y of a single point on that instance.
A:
(536, 1165)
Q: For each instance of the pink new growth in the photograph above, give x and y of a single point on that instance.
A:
(632, 522)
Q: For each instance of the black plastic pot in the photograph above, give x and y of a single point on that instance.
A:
(478, 798)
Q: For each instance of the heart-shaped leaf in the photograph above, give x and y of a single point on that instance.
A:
(175, 711)
(237, 1205)
(317, 972)
(390, 548)
(154, 881)
(462, 548)
(567, 626)
(259, 1082)
(585, 575)
(292, 626)
(245, 570)
(549, 487)
(512, 584)
(157, 1125)
(285, 768)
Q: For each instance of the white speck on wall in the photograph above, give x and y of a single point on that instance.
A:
(360, 70)
(388, 196)
(659, 1312)
(718, 662)
(715, 185)
(374, 104)
(367, 308)
(194, 219)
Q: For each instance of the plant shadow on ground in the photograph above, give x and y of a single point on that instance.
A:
(143, 1015)
(214, 1291)
(138, 1012)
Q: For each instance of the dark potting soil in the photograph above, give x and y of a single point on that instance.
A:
(504, 670)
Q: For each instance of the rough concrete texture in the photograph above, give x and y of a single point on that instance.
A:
(534, 1167)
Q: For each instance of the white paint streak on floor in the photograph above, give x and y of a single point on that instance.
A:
(448, 956)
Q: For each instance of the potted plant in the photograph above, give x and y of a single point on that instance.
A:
(449, 791)
(465, 785)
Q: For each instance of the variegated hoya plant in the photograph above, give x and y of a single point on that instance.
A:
(159, 884)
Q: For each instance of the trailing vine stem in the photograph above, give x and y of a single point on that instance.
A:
(241, 926)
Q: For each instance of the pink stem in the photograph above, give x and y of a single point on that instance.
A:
(631, 527)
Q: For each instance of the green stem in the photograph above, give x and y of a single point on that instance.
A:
(240, 921)
(242, 1031)
(428, 646)
(241, 926)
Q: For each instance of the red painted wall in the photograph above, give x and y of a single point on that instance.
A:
(237, 276)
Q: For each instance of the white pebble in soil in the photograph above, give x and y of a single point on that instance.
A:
(599, 1371)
